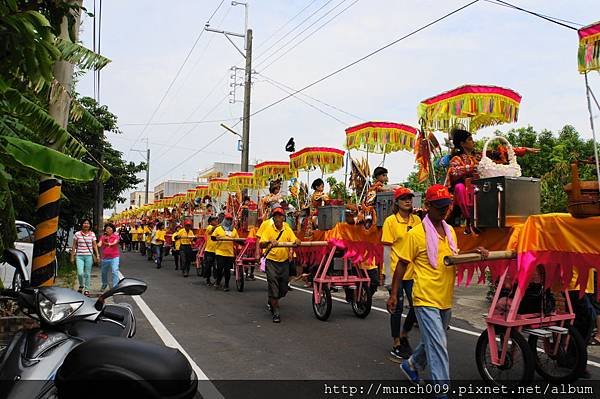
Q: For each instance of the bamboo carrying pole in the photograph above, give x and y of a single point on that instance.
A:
(474, 257)
(279, 244)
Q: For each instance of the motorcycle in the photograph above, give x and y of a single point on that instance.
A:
(30, 361)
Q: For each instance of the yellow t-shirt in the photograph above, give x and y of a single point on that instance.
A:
(270, 233)
(176, 240)
(369, 266)
(394, 231)
(433, 286)
(263, 226)
(589, 289)
(211, 246)
(186, 237)
(224, 248)
(135, 234)
(147, 235)
(160, 237)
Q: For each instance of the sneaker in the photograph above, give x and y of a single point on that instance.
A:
(276, 318)
(269, 308)
(209, 283)
(404, 348)
(410, 372)
(226, 289)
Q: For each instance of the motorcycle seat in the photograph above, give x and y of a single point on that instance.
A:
(108, 365)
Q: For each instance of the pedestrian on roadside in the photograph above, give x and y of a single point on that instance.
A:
(109, 242)
(425, 246)
(209, 261)
(394, 232)
(277, 259)
(186, 237)
(124, 237)
(159, 242)
(224, 251)
(84, 253)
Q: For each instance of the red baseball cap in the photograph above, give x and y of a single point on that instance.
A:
(187, 223)
(403, 192)
(438, 196)
(277, 211)
(228, 216)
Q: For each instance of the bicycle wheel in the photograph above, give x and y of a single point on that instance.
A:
(362, 306)
(322, 308)
(239, 281)
(518, 367)
(560, 357)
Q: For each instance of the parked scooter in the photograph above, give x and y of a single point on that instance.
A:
(29, 363)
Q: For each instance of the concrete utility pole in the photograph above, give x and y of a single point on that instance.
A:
(44, 264)
(247, 81)
(147, 173)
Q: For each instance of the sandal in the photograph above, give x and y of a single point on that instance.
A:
(80, 290)
(86, 293)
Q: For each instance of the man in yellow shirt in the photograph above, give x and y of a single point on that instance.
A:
(159, 239)
(134, 237)
(426, 246)
(394, 231)
(176, 245)
(277, 259)
(209, 261)
(149, 244)
(224, 251)
(186, 239)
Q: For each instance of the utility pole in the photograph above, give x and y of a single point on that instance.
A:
(47, 212)
(147, 168)
(247, 81)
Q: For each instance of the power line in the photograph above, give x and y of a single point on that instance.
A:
(313, 98)
(181, 123)
(546, 17)
(177, 147)
(178, 72)
(304, 30)
(284, 25)
(309, 104)
(309, 35)
(365, 57)
(293, 29)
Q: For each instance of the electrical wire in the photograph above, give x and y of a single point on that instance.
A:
(99, 51)
(300, 33)
(178, 73)
(283, 26)
(256, 58)
(557, 21)
(365, 57)
(181, 123)
(267, 79)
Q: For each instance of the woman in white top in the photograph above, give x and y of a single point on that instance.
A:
(84, 254)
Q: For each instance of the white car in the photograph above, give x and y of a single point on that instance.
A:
(24, 243)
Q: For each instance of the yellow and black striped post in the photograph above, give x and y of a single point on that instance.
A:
(44, 248)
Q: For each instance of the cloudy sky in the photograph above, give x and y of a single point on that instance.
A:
(485, 43)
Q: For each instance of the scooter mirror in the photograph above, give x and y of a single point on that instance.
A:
(127, 286)
(17, 259)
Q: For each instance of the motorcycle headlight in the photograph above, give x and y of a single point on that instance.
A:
(54, 313)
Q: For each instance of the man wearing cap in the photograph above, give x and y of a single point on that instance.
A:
(425, 246)
(186, 238)
(277, 259)
(209, 251)
(224, 251)
(394, 232)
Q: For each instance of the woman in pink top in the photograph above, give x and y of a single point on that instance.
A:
(109, 242)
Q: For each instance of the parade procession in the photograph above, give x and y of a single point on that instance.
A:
(434, 246)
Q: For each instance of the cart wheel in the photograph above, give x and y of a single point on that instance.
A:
(564, 365)
(518, 367)
(362, 306)
(239, 283)
(322, 309)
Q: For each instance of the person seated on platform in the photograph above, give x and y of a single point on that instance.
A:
(274, 197)
(317, 199)
(463, 166)
(380, 180)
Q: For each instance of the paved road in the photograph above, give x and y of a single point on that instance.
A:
(230, 335)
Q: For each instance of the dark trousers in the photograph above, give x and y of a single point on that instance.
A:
(396, 317)
(176, 257)
(208, 264)
(143, 248)
(224, 265)
(187, 255)
(158, 255)
(135, 246)
(150, 250)
(582, 308)
(374, 276)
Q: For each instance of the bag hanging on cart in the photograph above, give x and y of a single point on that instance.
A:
(263, 259)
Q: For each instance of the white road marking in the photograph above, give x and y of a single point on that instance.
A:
(458, 329)
(206, 389)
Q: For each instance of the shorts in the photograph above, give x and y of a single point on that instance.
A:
(278, 274)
